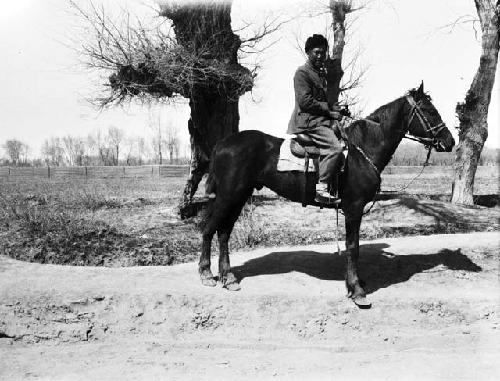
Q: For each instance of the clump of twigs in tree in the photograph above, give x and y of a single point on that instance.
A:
(159, 62)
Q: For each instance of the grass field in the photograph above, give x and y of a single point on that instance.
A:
(127, 222)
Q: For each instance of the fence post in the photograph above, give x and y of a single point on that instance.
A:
(9, 172)
(48, 172)
(123, 171)
(86, 173)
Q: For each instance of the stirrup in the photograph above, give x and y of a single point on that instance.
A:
(325, 198)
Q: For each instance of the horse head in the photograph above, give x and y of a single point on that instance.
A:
(425, 123)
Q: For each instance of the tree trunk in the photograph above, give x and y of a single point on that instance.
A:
(213, 117)
(334, 72)
(473, 113)
(206, 27)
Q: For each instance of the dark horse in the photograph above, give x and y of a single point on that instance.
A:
(248, 160)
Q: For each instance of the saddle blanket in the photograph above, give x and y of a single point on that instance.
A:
(289, 162)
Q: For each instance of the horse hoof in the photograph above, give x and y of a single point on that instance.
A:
(210, 282)
(234, 286)
(362, 302)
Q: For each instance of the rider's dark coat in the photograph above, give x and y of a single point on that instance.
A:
(311, 108)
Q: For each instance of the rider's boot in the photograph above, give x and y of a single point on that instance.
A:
(323, 196)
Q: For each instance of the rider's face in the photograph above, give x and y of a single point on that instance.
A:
(317, 56)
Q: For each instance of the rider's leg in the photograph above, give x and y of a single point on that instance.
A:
(330, 158)
(328, 169)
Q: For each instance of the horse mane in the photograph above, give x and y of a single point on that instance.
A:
(363, 129)
(418, 95)
(370, 127)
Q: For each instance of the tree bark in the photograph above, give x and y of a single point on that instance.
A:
(334, 72)
(473, 112)
(160, 156)
(206, 27)
(212, 119)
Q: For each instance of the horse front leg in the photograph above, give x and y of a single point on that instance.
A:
(355, 290)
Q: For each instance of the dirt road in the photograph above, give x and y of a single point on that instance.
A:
(435, 315)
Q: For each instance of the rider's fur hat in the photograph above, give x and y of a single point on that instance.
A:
(315, 41)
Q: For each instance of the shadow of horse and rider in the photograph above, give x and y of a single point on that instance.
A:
(380, 268)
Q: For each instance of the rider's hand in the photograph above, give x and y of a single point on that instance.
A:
(345, 111)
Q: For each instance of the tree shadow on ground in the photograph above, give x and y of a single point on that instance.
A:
(377, 267)
(440, 211)
(447, 217)
(459, 215)
(486, 200)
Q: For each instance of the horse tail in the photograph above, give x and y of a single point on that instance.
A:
(210, 186)
(210, 191)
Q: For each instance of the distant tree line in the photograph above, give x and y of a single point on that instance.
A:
(110, 148)
(163, 147)
(413, 154)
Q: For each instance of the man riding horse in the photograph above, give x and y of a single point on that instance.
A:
(249, 160)
(314, 117)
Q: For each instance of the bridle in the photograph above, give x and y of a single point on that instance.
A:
(428, 142)
(430, 130)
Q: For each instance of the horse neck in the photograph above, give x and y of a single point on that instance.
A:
(380, 143)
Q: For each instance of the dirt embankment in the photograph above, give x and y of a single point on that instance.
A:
(435, 316)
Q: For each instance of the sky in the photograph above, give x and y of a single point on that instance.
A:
(44, 86)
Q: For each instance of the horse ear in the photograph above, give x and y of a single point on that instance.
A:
(421, 88)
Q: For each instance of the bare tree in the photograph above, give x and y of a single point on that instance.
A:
(157, 137)
(473, 112)
(74, 148)
(16, 151)
(134, 150)
(25, 150)
(200, 63)
(129, 149)
(98, 145)
(172, 142)
(345, 71)
(337, 84)
(141, 149)
(95, 143)
(92, 150)
(53, 151)
(115, 138)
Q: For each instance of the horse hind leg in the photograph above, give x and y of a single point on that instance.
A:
(207, 278)
(226, 276)
(221, 220)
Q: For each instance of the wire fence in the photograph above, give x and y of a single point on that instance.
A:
(483, 170)
(143, 171)
(163, 171)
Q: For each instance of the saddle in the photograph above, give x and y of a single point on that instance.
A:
(303, 147)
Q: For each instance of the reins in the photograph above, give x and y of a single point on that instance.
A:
(377, 172)
(402, 189)
(427, 142)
